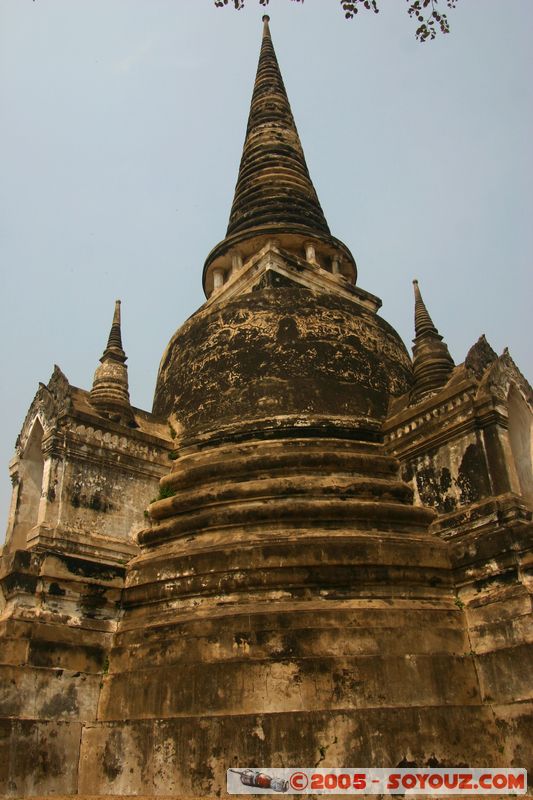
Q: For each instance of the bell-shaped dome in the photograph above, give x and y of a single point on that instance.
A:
(281, 357)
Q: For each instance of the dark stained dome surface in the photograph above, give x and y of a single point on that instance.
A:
(280, 353)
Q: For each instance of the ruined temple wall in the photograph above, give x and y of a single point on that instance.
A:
(469, 441)
(56, 626)
(458, 449)
(295, 610)
(107, 481)
(81, 482)
(442, 450)
(81, 485)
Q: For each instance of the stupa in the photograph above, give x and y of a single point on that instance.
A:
(337, 568)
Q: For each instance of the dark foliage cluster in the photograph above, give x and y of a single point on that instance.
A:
(431, 20)
(351, 7)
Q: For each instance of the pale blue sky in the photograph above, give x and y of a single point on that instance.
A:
(122, 128)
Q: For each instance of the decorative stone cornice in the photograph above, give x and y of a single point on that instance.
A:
(446, 416)
(469, 401)
(272, 257)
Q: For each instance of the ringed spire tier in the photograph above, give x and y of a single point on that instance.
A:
(274, 196)
(432, 362)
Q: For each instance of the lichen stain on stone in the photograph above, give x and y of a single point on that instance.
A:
(433, 485)
(472, 478)
(64, 702)
(50, 763)
(93, 600)
(113, 758)
(81, 496)
(346, 684)
(241, 642)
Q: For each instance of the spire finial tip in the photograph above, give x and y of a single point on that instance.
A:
(265, 18)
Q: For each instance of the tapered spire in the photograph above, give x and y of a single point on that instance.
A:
(432, 362)
(274, 194)
(423, 322)
(114, 342)
(110, 393)
(273, 187)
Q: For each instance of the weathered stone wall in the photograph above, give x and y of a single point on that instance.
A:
(293, 601)
(289, 607)
(55, 631)
(451, 476)
(459, 450)
(456, 447)
(81, 486)
(107, 481)
(82, 482)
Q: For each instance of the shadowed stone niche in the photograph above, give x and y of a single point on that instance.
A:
(30, 485)
(521, 438)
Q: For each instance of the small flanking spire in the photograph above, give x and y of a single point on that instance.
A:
(274, 196)
(110, 394)
(432, 362)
